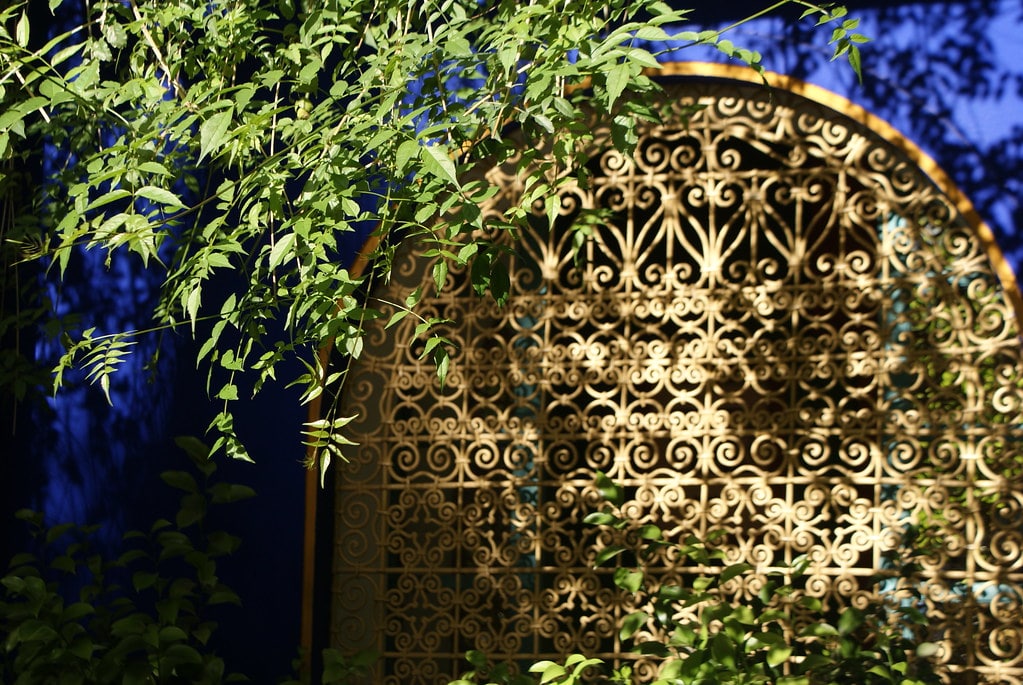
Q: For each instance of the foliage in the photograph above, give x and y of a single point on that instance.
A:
(573, 671)
(141, 617)
(243, 149)
(699, 633)
(339, 668)
(22, 307)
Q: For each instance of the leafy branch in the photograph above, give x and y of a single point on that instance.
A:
(232, 148)
(100, 356)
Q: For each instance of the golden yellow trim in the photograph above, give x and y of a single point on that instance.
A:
(312, 488)
(884, 130)
(309, 534)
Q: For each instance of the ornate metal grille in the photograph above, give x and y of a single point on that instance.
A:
(784, 330)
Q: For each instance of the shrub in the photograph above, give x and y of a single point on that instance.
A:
(141, 617)
(698, 633)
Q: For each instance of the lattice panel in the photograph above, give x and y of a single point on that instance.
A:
(784, 331)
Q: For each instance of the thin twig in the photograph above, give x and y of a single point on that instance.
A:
(178, 90)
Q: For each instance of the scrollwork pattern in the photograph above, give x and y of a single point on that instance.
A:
(784, 331)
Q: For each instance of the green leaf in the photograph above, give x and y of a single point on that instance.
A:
(82, 647)
(396, 317)
(181, 480)
(307, 76)
(777, 654)
(77, 611)
(632, 623)
(799, 565)
(500, 282)
(811, 603)
(477, 658)
(225, 493)
(115, 34)
(549, 670)
(182, 654)
(213, 132)
(437, 161)
(228, 392)
(36, 631)
(617, 79)
(466, 252)
(172, 634)
(883, 671)
(600, 518)
(443, 361)
(768, 637)
(381, 137)
(440, 274)
(653, 648)
(434, 343)
(544, 122)
(702, 583)
(324, 465)
(630, 581)
(413, 298)
(855, 62)
(192, 510)
(580, 662)
(644, 58)
(193, 447)
(21, 30)
(609, 490)
(108, 197)
(734, 570)
(160, 196)
(684, 635)
(606, 554)
(406, 151)
(650, 532)
(224, 596)
(850, 619)
(282, 249)
(671, 592)
(723, 650)
(819, 630)
(141, 580)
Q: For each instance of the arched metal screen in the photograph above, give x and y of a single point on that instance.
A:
(784, 330)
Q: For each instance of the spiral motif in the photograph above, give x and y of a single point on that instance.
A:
(782, 331)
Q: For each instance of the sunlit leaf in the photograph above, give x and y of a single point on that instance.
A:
(21, 30)
(282, 249)
(214, 131)
(437, 161)
(160, 195)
